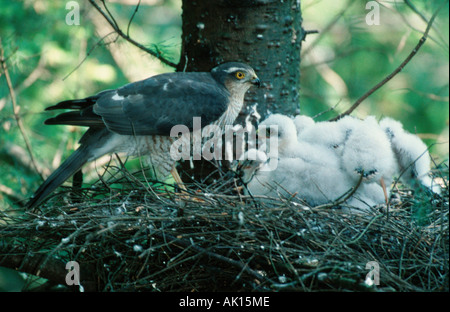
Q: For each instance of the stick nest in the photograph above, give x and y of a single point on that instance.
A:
(130, 235)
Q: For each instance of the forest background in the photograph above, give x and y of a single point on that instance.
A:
(49, 58)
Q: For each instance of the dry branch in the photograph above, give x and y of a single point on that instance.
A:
(16, 109)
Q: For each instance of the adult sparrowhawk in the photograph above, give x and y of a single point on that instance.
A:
(136, 119)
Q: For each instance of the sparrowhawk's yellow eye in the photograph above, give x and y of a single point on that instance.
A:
(240, 75)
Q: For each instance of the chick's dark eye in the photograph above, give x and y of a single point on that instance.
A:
(239, 75)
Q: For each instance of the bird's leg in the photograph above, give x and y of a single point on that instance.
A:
(77, 183)
(180, 183)
(177, 178)
(383, 186)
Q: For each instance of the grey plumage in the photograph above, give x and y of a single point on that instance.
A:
(87, 151)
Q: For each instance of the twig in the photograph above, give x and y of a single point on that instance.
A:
(20, 157)
(132, 17)
(397, 70)
(344, 197)
(37, 73)
(16, 109)
(116, 28)
(365, 230)
(412, 7)
(53, 270)
(110, 15)
(243, 266)
(327, 111)
(87, 54)
(307, 50)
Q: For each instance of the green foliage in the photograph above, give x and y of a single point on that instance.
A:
(351, 57)
(50, 61)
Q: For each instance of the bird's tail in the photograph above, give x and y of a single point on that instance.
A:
(70, 166)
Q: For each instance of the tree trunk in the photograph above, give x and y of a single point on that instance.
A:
(266, 34)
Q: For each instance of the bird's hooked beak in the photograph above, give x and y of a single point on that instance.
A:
(255, 81)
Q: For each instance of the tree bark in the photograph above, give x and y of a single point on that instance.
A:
(266, 34)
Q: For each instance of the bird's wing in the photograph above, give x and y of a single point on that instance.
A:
(85, 117)
(155, 105)
(150, 106)
(79, 104)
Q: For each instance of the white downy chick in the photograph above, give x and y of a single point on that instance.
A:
(310, 171)
(361, 146)
(367, 150)
(302, 122)
(411, 154)
(251, 162)
(283, 129)
(368, 195)
(327, 133)
(277, 127)
(313, 183)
